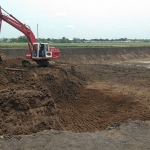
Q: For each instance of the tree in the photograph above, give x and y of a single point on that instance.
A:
(22, 39)
(64, 40)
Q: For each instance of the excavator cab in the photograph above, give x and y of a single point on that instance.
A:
(41, 51)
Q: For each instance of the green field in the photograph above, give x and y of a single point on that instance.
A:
(81, 45)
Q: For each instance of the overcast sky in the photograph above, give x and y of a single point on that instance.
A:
(80, 18)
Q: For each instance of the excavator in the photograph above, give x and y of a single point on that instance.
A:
(41, 53)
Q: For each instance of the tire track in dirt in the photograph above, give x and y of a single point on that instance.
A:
(95, 110)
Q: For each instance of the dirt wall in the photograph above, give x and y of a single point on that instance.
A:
(99, 55)
(10, 53)
(90, 55)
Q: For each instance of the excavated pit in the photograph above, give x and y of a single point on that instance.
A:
(85, 91)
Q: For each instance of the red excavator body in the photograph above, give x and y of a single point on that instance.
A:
(41, 53)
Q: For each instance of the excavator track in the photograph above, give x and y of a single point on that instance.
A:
(29, 64)
(43, 63)
(26, 63)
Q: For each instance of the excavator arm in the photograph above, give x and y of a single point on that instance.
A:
(10, 19)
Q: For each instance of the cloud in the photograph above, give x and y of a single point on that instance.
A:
(42, 29)
(27, 21)
(60, 14)
(104, 16)
(49, 16)
(51, 26)
(89, 27)
(125, 27)
(69, 27)
(107, 28)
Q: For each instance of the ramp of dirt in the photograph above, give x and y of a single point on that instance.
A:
(28, 96)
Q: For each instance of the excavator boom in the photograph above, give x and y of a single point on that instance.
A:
(18, 25)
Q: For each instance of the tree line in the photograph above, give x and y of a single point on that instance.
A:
(23, 39)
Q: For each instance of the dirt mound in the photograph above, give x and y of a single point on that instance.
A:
(28, 96)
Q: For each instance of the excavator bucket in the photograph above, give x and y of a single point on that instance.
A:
(2, 57)
(0, 18)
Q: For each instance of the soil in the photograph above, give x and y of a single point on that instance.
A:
(105, 96)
